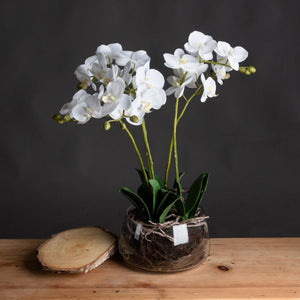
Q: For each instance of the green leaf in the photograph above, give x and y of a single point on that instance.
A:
(137, 201)
(155, 188)
(160, 181)
(166, 211)
(162, 202)
(145, 192)
(195, 195)
(141, 175)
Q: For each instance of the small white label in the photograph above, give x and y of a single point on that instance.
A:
(138, 231)
(180, 234)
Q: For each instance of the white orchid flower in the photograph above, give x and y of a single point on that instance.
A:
(220, 72)
(77, 98)
(109, 52)
(83, 72)
(137, 59)
(147, 78)
(86, 109)
(181, 60)
(114, 97)
(124, 103)
(200, 44)
(104, 74)
(152, 98)
(234, 55)
(209, 88)
(178, 85)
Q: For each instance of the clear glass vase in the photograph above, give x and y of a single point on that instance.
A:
(168, 247)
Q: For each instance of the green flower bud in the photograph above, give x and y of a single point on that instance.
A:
(247, 72)
(67, 118)
(107, 126)
(123, 126)
(56, 117)
(61, 121)
(252, 69)
(134, 119)
(242, 69)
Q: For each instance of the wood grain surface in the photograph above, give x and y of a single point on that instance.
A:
(237, 268)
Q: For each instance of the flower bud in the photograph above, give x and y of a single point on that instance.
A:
(107, 126)
(252, 69)
(242, 69)
(67, 118)
(56, 117)
(247, 72)
(61, 121)
(134, 119)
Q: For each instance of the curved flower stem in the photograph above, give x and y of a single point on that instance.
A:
(136, 149)
(148, 152)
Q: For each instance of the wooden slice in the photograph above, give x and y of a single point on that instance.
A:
(77, 250)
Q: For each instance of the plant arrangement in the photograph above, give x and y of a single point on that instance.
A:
(119, 86)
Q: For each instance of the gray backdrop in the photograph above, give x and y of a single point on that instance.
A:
(56, 177)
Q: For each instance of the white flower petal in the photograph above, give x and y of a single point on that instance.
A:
(155, 78)
(239, 54)
(179, 52)
(171, 61)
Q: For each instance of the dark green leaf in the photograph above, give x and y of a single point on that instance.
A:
(163, 202)
(167, 210)
(137, 201)
(195, 195)
(141, 175)
(145, 192)
(155, 188)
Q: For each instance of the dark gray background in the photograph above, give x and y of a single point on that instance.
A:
(56, 177)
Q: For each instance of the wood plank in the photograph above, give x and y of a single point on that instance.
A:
(261, 268)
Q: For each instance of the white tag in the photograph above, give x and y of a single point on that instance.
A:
(138, 231)
(180, 234)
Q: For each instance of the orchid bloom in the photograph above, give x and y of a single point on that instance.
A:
(181, 60)
(137, 59)
(144, 102)
(209, 88)
(109, 52)
(77, 98)
(201, 44)
(220, 72)
(83, 72)
(178, 83)
(147, 78)
(86, 109)
(234, 55)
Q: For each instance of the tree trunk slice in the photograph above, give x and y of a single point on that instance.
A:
(77, 250)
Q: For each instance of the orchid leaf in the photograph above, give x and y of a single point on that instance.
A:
(195, 195)
(137, 201)
(160, 181)
(155, 188)
(163, 216)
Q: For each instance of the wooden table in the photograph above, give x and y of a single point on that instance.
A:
(239, 268)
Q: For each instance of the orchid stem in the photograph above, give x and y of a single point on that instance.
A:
(175, 141)
(148, 152)
(136, 149)
(172, 146)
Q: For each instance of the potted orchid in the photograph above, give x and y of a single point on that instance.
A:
(165, 229)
